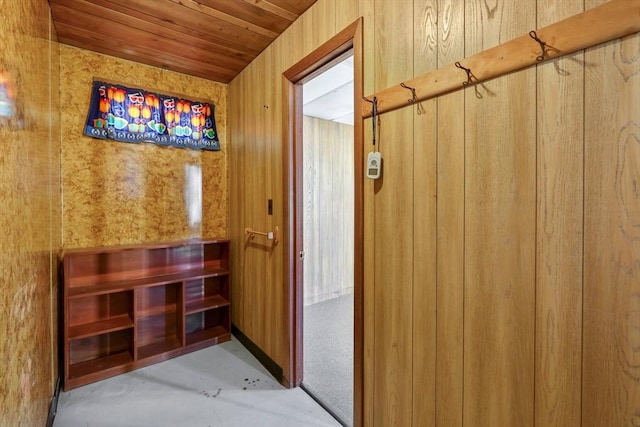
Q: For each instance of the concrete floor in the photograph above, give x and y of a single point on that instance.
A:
(223, 385)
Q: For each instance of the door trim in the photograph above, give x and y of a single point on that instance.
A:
(324, 57)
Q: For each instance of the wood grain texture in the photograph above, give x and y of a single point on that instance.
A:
(450, 223)
(366, 9)
(500, 203)
(281, 332)
(319, 24)
(617, 18)
(509, 235)
(258, 173)
(394, 221)
(559, 237)
(29, 213)
(425, 36)
(213, 39)
(346, 11)
(112, 192)
(328, 209)
(359, 233)
(611, 346)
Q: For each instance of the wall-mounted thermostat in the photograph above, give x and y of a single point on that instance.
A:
(374, 165)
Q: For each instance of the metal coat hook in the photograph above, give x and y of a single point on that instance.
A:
(468, 71)
(414, 97)
(543, 45)
(374, 114)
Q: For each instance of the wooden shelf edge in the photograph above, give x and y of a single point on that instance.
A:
(106, 287)
(105, 326)
(208, 303)
(169, 309)
(158, 348)
(100, 365)
(208, 336)
(156, 245)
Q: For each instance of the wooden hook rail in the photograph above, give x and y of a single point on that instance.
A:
(612, 20)
(271, 235)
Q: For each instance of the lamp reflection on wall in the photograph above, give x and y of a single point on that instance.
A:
(7, 96)
(193, 195)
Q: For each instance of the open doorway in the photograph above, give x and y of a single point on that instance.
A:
(328, 228)
(347, 42)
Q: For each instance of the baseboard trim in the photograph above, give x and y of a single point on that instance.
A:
(53, 405)
(271, 366)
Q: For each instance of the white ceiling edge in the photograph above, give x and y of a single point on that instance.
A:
(329, 96)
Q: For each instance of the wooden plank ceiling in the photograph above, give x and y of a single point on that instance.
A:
(212, 39)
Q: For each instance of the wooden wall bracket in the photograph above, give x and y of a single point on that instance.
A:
(271, 235)
(612, 20)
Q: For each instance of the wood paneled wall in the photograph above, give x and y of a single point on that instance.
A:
(29, 214)
(502, 287)
(328, 209)
(611, 245)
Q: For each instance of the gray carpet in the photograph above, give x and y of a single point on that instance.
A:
(328, 354)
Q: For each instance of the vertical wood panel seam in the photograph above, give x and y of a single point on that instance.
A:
(373, 225)
(464, 206)
(437, 142)
(52, 340)
(584, 160)
(535, 242)
(413, 220)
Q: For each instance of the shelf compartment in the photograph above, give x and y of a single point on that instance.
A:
(92, 354)
(156, 300)
(158, 334)
(216, 256)
(95, 311)
(206, 293)
(207, 324)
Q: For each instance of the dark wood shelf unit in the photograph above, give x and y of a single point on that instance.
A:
(129, 306)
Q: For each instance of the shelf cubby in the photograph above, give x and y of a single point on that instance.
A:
(158, 333)
(96, 353)
(159, 299)
(206, 293)
(208, 324)
(97, 314)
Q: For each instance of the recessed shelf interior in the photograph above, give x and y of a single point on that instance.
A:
(93, 353)
(158, 333)
(94, 308)
(95, 314)
(158, 299)
(203, 322)
(206, 293)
